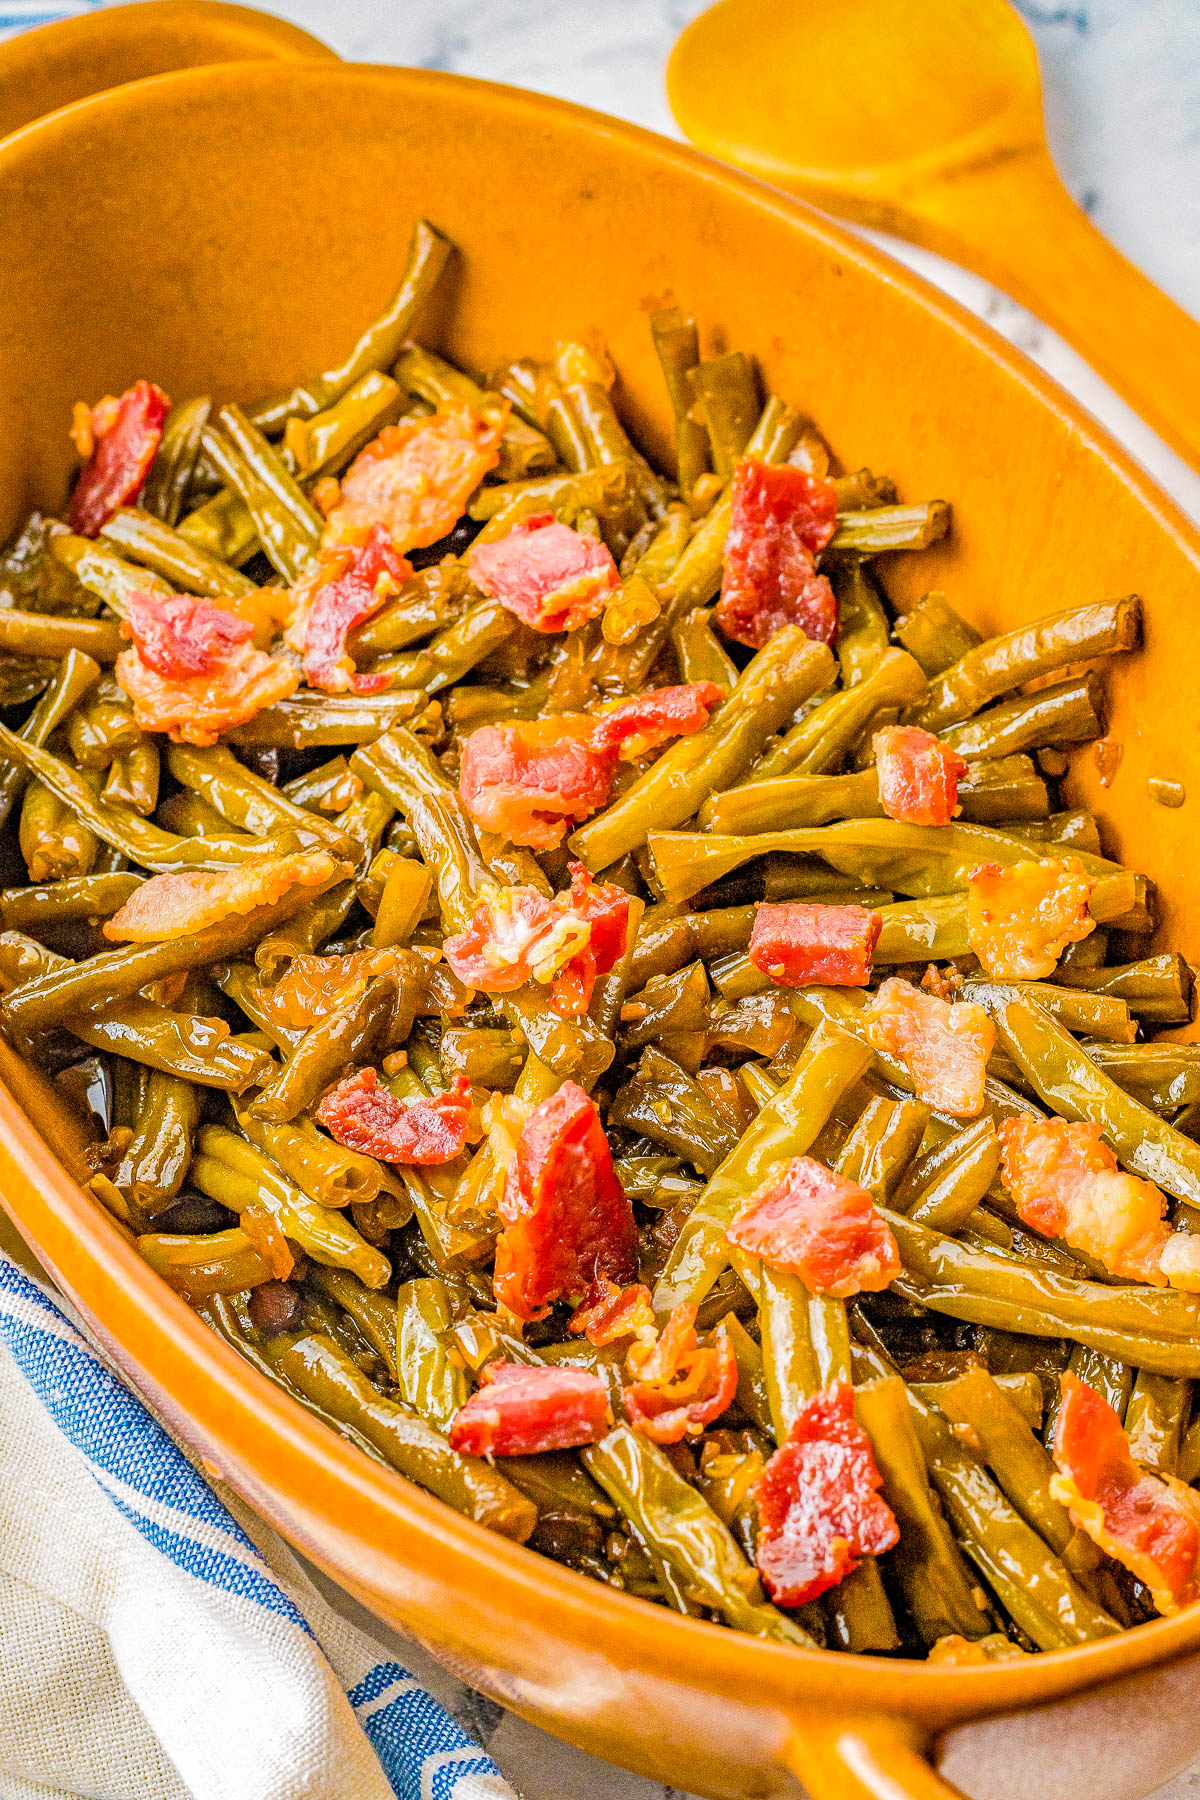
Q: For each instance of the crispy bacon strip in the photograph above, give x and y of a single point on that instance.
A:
(416, 477)
(613, 1313)
(352, 583)
(193, 671)
(178, 905)
(553, 578)
(532, 782)
(809, 1221)
(803, 945)
(519, 1410)
(119, 439)
(782, 519)
(679, 1385)
(633, 727)
(1021, 919)
(568, 1223)
(1066, 1184)
(366, 1117)
(918, 776)
(517, 935)
(1150, 1524)
(945, 1047)
(819, 1510)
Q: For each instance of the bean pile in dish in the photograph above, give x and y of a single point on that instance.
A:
(600, 1007)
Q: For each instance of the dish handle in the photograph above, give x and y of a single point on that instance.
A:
(869, 1756)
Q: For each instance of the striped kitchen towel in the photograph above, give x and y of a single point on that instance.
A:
(159, 1643)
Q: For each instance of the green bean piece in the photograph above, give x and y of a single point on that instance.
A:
(859, 1612)
(700, 655)
(155, 1162)
(372, 1313)
(601, 490)
(1097, 1015)
(432, 1384)
(145, 540)
(1070, 1083)
(584, 382)
(1157, 990)
(667, 1106)
(936, 929)
(826, 733)
(174, 462)
(481, 630)
(1155, 1415)
(882, 528)
(831, 1062)
(1002, 1439)
(882, 1143)
(133, 779)
(41, 635)
(218, 1262)
(668, 1003)
(1110, 1378)
(110, 577)
(862, 632)
(935, 634)
(429, 601)
(938, 1588)
(778, 679)
(1009, 661)
(353, 1031)
(249, 802)
(724, 392)
(85, 990)
(673, 1518)
(33, 909)
(223, 527)
(403, 902)
(102, 726)
(290, 544)
(404, 771)
(752, 1395)
(380, 343)
(1034, 1586)
(325, 1374)
(665, 945)
(1068, 713)
(328, 441)
(677, 343)
(233, 1171)
(947, 1201)
(54, 844)
(77, 675)
(327, 1173)
(314, 721)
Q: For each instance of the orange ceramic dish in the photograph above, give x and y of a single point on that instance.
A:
(158, 226)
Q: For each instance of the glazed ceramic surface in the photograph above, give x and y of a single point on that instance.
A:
(223, 229)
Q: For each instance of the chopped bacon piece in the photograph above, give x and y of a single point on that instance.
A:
(416, 477)
(819, 1510)
(366, 1117)
(517, 935)
(801, 945)
(1150, 1524)
(635, 726)
(616, 1313)
(553, 578)
(519, 1410)
(352, 583)
(918, 776)
(944, 1045)
(568, 1222)
(1020, 919)
(311, 987)
(192, 670)
(680, 1386)
(532, 782)
(1065, 1183)
(782, 520)
(811, 1222)
(177, 905)
(125, 435)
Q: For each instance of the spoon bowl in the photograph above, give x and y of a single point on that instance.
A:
(925, 120)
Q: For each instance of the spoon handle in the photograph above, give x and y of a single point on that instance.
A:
(1012, 221)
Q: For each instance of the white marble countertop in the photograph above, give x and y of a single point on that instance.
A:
(1122, 80)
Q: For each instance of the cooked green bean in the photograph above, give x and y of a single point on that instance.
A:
(223, 527)
(677, 342)
(1066, 714)
(353, 1030)
(156, 1159)
(148, 541)
(1007, 662)
(725, 393)
(935, 634)
(133, 779)
(883, 528)
(327, 441)
(1157, 990)
(1155, 1415)
(825, 734)
(174, 462)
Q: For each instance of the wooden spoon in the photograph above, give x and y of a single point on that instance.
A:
(925, 120)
